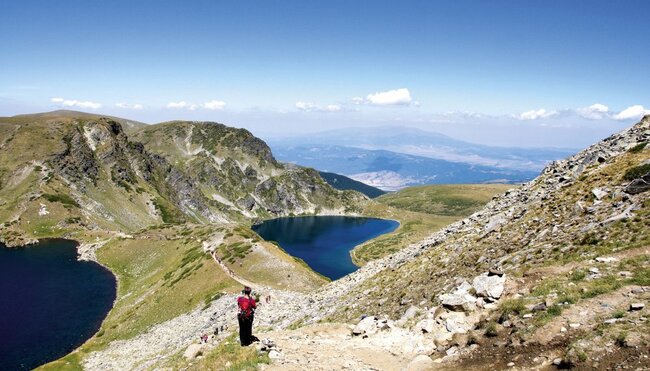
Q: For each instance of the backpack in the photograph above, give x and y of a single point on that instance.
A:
(245, 308)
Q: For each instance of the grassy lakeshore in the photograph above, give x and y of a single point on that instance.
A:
(421, 211)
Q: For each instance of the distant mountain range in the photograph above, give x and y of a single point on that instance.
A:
(391, 158)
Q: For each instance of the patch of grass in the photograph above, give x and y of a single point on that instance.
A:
(620, 338)
(577, 275)
(638, 148)
(512, 306)
(618, 314)
(601, 286)
(230, 353)
(491, 329)
(60, 198)
(168, 212)
(636, 172)
(444, 199)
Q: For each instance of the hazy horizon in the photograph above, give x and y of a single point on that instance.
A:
(503, 73)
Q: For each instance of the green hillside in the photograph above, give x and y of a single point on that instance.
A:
(342, 182)
(444, 199)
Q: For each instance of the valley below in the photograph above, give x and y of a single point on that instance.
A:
(540, 275)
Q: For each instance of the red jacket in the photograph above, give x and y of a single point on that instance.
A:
(246, 305)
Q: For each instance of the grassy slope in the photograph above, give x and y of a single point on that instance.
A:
(421, 211)
(445, 199)
(160, 276)
(436, 270)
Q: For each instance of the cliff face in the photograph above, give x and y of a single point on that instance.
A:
(62, 172)
(238, 172)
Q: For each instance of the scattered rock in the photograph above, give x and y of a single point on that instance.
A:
(636, 306)
(489, 286)
(510, 364)
(606, 259)
(460, 299)
(193, 351)
(366, 326)
(452, 351)
(599, 193)
(457, 323)
(574, 325)
(426, 325)
(539, 307)
(274, 354)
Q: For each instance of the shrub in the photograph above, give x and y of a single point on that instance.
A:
(61, 198)
(636, 172)
(638, 148)
(491, 329)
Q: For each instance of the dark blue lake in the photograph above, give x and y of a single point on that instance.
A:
(50, 303)
(324, 242)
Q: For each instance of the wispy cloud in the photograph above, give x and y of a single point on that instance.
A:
(213, 105)
(181, 104)
(396, 97)
(596, 111)
(312, 107)
(632, 112)
(536, 114)
(75, 103)
(129, 106)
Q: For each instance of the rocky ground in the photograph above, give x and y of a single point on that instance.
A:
(553, 274)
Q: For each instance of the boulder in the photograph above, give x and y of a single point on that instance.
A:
(410, 313)
(606, 259)
(193, 351)
(637, 306)
(366, 326)
(638, 185)
(460, 299)
(274, 354)
(426, 326)
(489, 286)
(457, 323)
(420, 363)
(599, 193)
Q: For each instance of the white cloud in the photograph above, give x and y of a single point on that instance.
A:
(211, 105)
(76, 103)
(395, 97)
(312, 107)
(358, 100)
(632, 112)
(127, 105)
(214, 105)
(181, 104)
(306, 106)
(596, 111)
(536, 114)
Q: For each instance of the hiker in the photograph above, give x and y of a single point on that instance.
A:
(245, 316)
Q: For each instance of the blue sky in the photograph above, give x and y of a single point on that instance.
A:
(477, 70)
